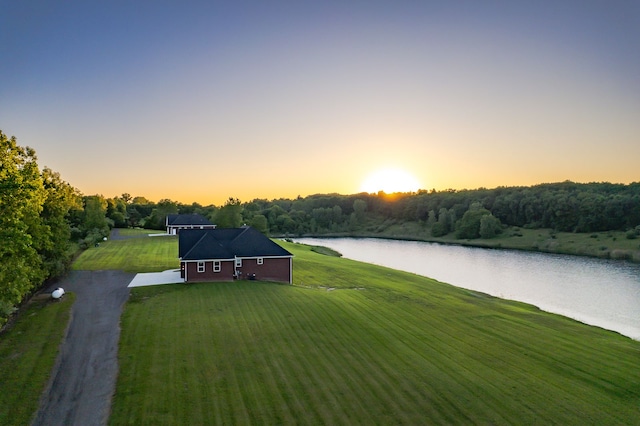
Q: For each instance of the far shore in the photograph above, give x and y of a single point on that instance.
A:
(603, 245)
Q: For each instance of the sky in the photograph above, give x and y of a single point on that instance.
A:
(199, 101)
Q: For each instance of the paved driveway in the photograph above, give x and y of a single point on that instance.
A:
(83, 379)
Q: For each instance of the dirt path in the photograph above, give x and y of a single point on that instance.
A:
(84, 377)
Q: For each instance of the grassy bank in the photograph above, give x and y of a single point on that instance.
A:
(605, 245)
(351, 343)
(28, 350)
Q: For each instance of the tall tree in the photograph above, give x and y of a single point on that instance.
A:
(21, 198)
(61, 199)
(95, 224)
(230, 215)
(159, 214)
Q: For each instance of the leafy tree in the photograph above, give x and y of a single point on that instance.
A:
(61, 199)
(469, 226)
(95, 225)
(157, 219)
(260, 222)
(444, 224)
(230, 215)
(138, 211)
(359, 209)
(438, 229)
(117, 212)
(21, 197)
(140, 200)
(431, 218)
(490, 226)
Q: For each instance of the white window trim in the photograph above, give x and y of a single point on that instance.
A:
(238, 262)
(201, 266)
(217, 266)
(260, 260)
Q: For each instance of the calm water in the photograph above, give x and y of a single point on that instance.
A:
(598, 292)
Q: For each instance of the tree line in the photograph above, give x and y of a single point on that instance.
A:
(45, 222)
(565, 206)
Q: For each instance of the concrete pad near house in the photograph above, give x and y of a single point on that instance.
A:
(156, 278)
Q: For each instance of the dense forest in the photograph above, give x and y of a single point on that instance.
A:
(45, 222)
(565, 206)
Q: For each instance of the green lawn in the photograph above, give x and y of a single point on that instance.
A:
(27, 353)
(147, 254)
(351, 343)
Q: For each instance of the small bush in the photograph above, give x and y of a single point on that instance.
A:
(439, 230)
(6, 310)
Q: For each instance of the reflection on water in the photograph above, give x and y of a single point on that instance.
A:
(599, 292)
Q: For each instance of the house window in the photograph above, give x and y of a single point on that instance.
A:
(200, 266)
(216, 266)
(238, 262)
(260, 261)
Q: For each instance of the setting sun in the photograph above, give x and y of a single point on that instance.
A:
(390, 181)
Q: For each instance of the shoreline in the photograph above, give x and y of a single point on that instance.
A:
(585, 317)
(612, 245)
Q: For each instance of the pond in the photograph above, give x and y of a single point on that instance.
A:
(604, 293)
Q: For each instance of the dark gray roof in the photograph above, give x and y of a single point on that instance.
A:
(226, 243)
(187, 219)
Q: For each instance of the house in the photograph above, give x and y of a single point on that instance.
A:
(226, 254)
(176, 222)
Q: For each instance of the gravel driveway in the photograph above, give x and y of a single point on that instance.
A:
(83, 379)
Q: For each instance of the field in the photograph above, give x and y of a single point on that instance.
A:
(145, 254)
(606, 245)
(28, 351)
(351, 343)
(348, 343)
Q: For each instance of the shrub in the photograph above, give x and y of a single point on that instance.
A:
(439, 229)
(6, 310)
(490, 226)
(478, 222)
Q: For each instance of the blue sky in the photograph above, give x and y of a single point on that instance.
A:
(199, 101)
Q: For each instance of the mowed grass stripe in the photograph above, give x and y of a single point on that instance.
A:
(252, 379)
(414, 352)
(357, 377)
(459, 347)
(557, 369)
(324, 384)
(373, 378)
(311, 383)
(297, 404)
(257, 307)
(352, 361)
(384, 347)
(147, 254)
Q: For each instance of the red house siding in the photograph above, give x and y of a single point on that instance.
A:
(225, 274)
(271, 269)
